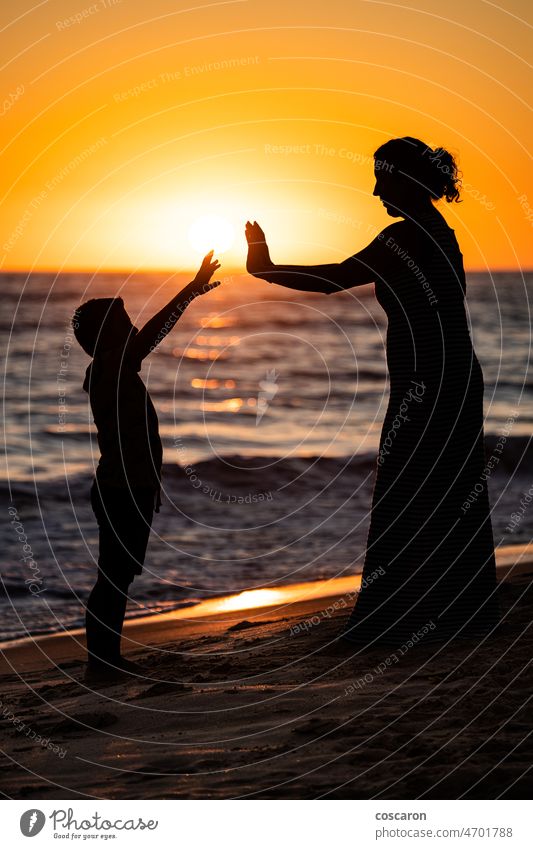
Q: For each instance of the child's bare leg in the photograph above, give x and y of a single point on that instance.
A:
(104, 619)
(124, 519)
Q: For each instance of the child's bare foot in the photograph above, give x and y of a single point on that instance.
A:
(104, 673)
(132, 668)
(113, 671)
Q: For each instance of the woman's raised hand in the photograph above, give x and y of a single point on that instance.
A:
(258, 254)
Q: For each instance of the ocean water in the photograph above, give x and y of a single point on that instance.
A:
(270, 406)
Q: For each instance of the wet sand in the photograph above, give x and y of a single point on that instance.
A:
(251, 696)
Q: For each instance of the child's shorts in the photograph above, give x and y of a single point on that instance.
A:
(124, 519)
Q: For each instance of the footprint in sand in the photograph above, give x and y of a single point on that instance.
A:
(245, 624)
(83, 723)
(47, 693)
(162, 688)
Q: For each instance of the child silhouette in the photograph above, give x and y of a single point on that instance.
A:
(126, 489)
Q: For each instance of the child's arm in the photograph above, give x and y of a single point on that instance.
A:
(155, 330)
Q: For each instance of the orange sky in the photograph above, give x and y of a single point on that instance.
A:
(124, 121)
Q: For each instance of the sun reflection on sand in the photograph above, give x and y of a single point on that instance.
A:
(269, 597)
(249, 599)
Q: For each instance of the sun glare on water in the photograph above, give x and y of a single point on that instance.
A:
(211, 232)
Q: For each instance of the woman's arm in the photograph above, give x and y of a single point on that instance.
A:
(333, 277)
(155, 330)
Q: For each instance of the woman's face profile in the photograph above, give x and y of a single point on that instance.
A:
(390, 190)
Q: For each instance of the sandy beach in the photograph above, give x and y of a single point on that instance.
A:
(250, 696)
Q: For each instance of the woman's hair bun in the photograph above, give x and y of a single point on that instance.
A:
(435, 170)
(445, 180)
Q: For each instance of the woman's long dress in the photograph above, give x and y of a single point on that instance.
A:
(429, 564)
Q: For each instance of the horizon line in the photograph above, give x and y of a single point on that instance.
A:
(169, 271)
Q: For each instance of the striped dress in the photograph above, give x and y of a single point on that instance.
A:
(429, 567)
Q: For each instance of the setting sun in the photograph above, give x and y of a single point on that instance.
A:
(211, 232)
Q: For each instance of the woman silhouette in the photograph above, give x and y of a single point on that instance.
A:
(429, 561)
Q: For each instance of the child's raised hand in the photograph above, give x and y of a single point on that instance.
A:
(201, 283)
